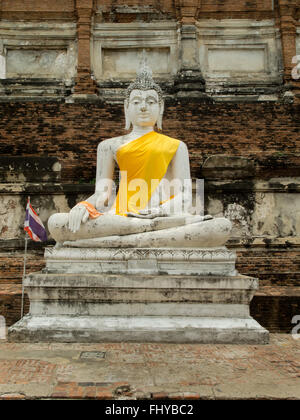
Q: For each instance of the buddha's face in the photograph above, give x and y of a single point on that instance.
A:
(143, 108)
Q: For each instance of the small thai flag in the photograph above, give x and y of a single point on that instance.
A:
(33, 225)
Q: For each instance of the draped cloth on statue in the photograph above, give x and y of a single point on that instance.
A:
(143, 162)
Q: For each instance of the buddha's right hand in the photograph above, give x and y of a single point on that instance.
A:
(77, 215)
(102, 201)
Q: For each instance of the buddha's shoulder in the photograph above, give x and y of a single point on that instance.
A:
(111, 143)
(171, 139)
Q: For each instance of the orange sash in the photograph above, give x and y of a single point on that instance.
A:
(93, 212)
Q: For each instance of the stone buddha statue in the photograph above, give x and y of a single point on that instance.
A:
(146, 211)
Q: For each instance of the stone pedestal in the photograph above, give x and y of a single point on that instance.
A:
(148, 295)
(186, 261)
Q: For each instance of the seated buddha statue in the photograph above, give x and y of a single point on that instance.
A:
(146, 211)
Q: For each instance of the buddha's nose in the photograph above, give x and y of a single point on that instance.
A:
(144, 106)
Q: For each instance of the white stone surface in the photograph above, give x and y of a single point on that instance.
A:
(240, 219)
(139, 329)
(38, 49)
(118, 63)
(141, 281)
(239, 59)
(218, 261)
(2, 66)
(138, 307)
(206, 234)
(276, 214)
(36, 63)
(12, 216)
(296, 59)
(188, 57)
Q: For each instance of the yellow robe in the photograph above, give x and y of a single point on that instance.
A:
(143, 163)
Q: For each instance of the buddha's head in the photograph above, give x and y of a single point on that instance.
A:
(144, 105)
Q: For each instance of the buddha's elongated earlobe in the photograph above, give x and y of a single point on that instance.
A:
(159, 119)
(159, 122)
(127, 122)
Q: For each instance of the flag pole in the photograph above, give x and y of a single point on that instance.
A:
(24, 273)
(24, 270)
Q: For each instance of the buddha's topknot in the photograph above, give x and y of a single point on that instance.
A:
(144, 81)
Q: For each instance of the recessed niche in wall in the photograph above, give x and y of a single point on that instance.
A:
(36, 63)
(123, 63)
(118, 48)
(240, 49)
(237, 59)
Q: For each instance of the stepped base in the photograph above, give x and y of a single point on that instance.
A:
(272, 307)
(138, 329)
(139, 295)
(139, 308)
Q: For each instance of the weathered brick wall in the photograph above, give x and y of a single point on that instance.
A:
(115, 11)
(71, 132)
(35, 9)
(12, 264)
(275, 267)
(238, 9)
(237, 5)
(17, 8)
(10, 303)
(123, 11)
